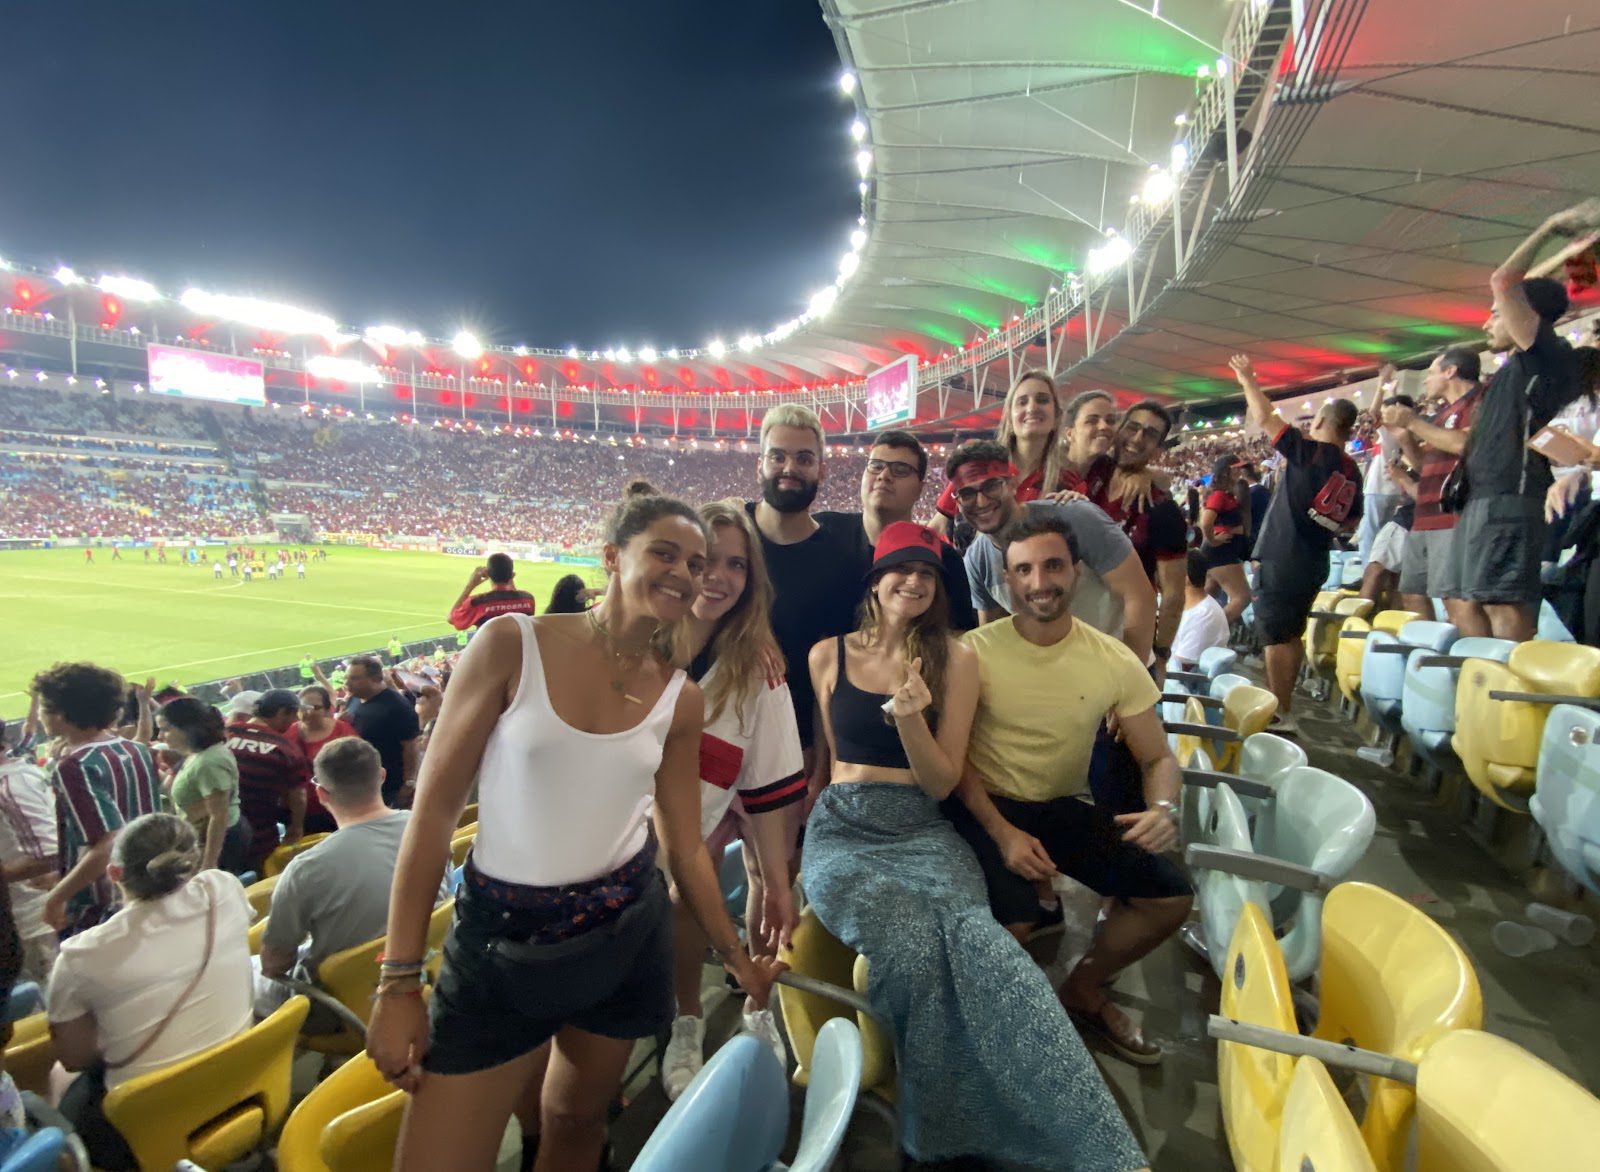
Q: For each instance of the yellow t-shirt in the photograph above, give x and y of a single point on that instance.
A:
(1039, 708)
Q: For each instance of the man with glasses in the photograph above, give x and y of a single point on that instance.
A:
(1114, 597)
(891, 485)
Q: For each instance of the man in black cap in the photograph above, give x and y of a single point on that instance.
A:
(1500, 535)
(273, 773)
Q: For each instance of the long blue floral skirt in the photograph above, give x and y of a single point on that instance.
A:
(990, 1063)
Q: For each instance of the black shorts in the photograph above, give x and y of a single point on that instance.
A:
(1082, 841)
(500, 997)
(1289, 587)
(1230, 553)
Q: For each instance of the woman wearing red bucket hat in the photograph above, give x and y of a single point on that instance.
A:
(974, 1017)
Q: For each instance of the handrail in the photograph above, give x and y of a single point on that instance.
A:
(1226, 1029)
(1249, 865)
(1245, 787)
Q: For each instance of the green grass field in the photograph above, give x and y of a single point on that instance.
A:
(175, 623)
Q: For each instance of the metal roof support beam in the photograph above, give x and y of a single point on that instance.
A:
(1088, 325)
(1232, 125)
(1199, 213)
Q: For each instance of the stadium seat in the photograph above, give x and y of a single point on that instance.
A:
(1318, 1132)
(1216, 660)
(26, 1000)
(1252, 1082)
(1327, 618)
(280, 856)
(1335, 577)
(830, 1099)
(1501, 711)
(1246, 710)
(1317, 823)
(1351, 573)
(43, 1151)
(1347, 655)
(734, 881)
(1226, 682)
(363, 1139)
(1566, 804)
(469, 816)
(259, 894)
(461, 846)
(1221, 895)
(215, 1107)
(733, 1116)
(1384, 668)
(31, 1053)
(1550, 628)
(1487, 1105)
(355, 1084)
(1428, 694)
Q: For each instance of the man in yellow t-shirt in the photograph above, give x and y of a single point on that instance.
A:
(1045, 684)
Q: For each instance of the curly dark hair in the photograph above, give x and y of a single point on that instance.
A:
(85, 695)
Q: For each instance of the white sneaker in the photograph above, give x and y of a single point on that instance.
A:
(685, 1055)
(762, 1025)
(1284, 725)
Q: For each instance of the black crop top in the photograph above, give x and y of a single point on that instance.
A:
(862, 734)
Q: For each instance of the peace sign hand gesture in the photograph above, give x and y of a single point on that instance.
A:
(913, 695)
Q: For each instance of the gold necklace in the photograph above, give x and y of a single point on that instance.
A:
(620, 659)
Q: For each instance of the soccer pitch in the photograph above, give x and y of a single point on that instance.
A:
(176, 623)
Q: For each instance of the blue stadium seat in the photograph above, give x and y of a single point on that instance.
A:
(1216, 660)
(1383, 672)
(732, 1118)
(1428, 694)
(1566, 803)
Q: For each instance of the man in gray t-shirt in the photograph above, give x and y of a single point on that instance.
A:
(1114, 595)
(335, 895)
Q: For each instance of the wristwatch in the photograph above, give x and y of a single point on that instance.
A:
(1170, 808)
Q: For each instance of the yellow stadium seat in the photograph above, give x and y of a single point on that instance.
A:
(1393, 620)
(1246, 710)
(817, 954)
(1392, 980)
(259, 894)
(280, 856)
(1501, 710)
(461, 845)
(354, 1086)
(349, 977)
(215, 1107)
(31, 1053)
(364, 1139)
(1322, 633)
(469, 816)
(256, 934)
(1487, 1105)
(1252, 1082)
(1318, 1132)
(1347, 655)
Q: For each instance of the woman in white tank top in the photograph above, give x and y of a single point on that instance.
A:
(581, 733)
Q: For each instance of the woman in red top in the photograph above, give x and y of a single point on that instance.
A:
(316, 727)
(1030, 428)
(1225, 535)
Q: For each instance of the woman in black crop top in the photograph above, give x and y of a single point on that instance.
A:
(973, 1016)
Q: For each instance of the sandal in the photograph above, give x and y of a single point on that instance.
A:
(1116, 1030)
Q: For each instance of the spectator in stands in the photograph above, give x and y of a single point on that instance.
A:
(1388, 550)
(1089, 428)
(1115, 596)
(335, 895)
(167, 977)
(1380, 495)
(888, 875)
(816, 564)
(13, 1116)
(1021, 802)
(751, 772)
(1204, 625)
(891, 485)
(1225, 527)
(383, 719)
(28, 853)
(1031, 431)
(502, 597)
(1317, 499)
(1259, 497)
(205, 790)
(101, 782)
(570, 595)
(318, 725)
(534, 703)
(273, 774)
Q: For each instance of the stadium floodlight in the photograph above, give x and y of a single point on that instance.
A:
(716, 348)
(647, 354)
(673, 354)
(521, 351)
(862, 187)
(847, 82)
(128, 288)
(265, 315)
(822, 301)
(1109, 255)
(466, 345)
(858, 239)
(858, 130)
(66, 276)
(343, 370)
(864, 162)
(572, 351)
(393, 336)
(1158, 187)
(749, 342)
(623, 355)
(1180, 158)
(849, 263)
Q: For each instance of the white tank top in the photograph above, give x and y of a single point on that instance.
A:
(558, 805)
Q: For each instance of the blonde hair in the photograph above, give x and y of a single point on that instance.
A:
(744, 634)
(1050, 473)
(793, 415)
(158, 854)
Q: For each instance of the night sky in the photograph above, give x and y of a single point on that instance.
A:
(594, 173)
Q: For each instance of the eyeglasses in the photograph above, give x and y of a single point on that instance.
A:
(898, 469)
(990, 488)
(313, 708)
(1149, 431)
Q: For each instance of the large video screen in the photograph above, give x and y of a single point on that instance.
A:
(892, 393)
(219, 378)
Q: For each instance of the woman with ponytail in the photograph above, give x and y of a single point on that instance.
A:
(165, 978)
(583, 733)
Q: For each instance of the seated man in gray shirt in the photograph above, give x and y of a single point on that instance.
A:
(1115, 595)
(335, 895)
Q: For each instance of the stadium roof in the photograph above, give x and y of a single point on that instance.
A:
(1049, 184)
